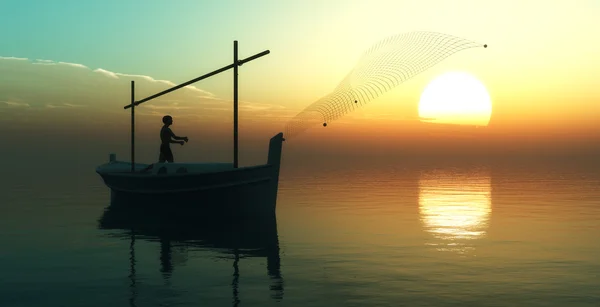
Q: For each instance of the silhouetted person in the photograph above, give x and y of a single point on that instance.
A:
(166, 138)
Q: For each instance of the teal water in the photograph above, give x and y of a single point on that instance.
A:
(468, 235)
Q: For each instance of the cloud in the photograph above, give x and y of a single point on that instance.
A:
(390, 117)
(259, 106)
(382, 116)
(16, 104)
(73, 64)
(198, 93)
(115, 75)
(51, 106)
(49, 62)
(50, 92)
(43, 62)
(218, 109)
(169, 83)
(107, 73)
(155, 107)
(12, 58)
(64, 105)
(147, 78)
(195, 89)
(73, 105)
(419, 118)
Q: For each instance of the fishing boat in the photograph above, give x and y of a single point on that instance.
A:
(200, 181)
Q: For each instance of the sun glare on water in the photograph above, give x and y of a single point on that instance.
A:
(455, 208)
(456, 98)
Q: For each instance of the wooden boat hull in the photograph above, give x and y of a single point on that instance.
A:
(197, 182)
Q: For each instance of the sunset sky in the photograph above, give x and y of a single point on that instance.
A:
(66, 68)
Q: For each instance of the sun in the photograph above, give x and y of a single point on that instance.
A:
(456, 98)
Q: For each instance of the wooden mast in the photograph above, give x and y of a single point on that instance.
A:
(132, 126)
(235, 104)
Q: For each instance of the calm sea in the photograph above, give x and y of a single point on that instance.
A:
(470, 235)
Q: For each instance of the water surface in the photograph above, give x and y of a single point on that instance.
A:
(400, 235)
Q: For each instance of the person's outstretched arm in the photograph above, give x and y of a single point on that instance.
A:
(177, 137)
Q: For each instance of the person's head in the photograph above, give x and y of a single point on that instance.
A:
(167, 120)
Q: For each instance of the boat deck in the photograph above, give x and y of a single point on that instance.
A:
(165, 168)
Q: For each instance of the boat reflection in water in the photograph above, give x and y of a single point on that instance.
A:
(178, 227)
(455, 208)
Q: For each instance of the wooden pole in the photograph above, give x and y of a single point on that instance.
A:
(132, 126)
(210, 74)
(235, 104)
